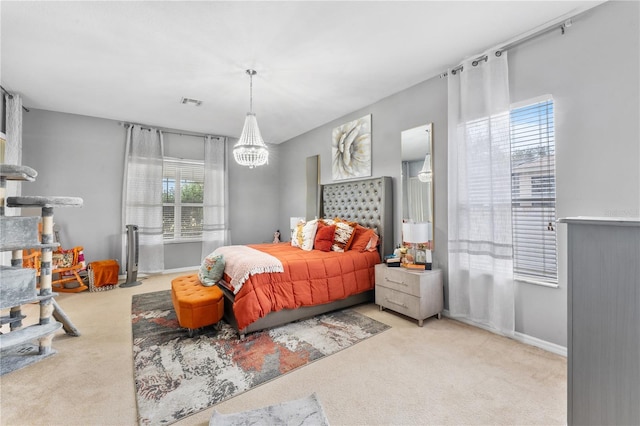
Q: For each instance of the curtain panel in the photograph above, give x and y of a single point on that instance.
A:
(215, 226)
(419, 199)
(481, 287)
(142, 196)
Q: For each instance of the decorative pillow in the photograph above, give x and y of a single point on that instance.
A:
(62, 259)
(354, 225)
(372, 245)
(294, 235)
(338, 219)
(324, 237)
(305, 235)
(295, 232)
(342, 237)
(361, 238)
(80, 259)
(327, 221)
(211, 269)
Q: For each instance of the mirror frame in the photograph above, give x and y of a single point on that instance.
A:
(412, 136)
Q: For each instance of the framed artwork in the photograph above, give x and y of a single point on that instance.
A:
(351, 149)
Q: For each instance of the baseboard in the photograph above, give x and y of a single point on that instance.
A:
(539, 343)
(520, 337)
(184, 269)
(165, 272)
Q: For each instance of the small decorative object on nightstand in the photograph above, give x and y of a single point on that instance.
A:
(416, 294)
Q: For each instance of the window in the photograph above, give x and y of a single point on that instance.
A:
(182, 199)
(533, 192)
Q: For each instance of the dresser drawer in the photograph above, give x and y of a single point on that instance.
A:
(398, 279)
(397, 301)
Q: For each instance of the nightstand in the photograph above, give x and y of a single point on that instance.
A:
(417, 295)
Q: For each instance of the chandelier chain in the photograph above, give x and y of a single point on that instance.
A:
(250, 92)
(251, 74)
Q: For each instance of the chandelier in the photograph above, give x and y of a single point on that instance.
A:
(250, 150)
(424, 175)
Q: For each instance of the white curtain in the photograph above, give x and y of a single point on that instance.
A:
(215, 230)
(481, 287)
(142, 196)
(419, 200)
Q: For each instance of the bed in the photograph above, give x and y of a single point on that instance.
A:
(330, 280)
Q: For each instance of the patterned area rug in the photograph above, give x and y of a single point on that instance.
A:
(176, 376)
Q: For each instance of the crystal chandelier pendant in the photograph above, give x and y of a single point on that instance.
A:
(250, 150)
(424, 175)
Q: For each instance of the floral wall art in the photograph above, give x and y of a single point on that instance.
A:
(351, 149)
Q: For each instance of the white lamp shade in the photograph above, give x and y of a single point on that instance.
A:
(294, 221)
(416, 233)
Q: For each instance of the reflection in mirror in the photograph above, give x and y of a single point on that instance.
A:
(417, 179)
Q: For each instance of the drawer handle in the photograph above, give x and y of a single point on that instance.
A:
(397, 282)
(396, 303)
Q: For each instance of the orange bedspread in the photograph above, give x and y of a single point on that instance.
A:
(309, 278)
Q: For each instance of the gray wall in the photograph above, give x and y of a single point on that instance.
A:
(254, 199)
(421, 104)
(84, 156)
(592, 73)
(78, 156)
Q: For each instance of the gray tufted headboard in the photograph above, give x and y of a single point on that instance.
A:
(368, 202)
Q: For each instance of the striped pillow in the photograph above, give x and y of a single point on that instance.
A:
(343, 236)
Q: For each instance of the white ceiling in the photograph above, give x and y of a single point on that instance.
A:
(316, 61)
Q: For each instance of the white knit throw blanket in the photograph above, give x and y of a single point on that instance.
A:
(243, 261)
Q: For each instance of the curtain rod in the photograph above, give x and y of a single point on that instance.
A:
(561, 23)
(11, 97)
(146, 127)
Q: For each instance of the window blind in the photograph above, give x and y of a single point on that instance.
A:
(182, 196)
(533, 191)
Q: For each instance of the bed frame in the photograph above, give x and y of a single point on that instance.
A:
(368, 202)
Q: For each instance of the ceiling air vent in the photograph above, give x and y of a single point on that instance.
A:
(189, 101)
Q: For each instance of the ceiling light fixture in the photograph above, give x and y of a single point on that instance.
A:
(250, 150)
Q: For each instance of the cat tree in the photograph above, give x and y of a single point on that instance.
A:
(20, 286)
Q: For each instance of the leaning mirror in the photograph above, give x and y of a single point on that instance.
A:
(417, 189)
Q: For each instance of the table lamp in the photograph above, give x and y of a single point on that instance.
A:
(418, 235)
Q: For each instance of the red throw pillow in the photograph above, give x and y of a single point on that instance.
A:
(361, 239)
(324, 238)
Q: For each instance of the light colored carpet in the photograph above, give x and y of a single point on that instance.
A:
(443, 373)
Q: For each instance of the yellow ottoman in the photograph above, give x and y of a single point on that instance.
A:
(196, 305)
